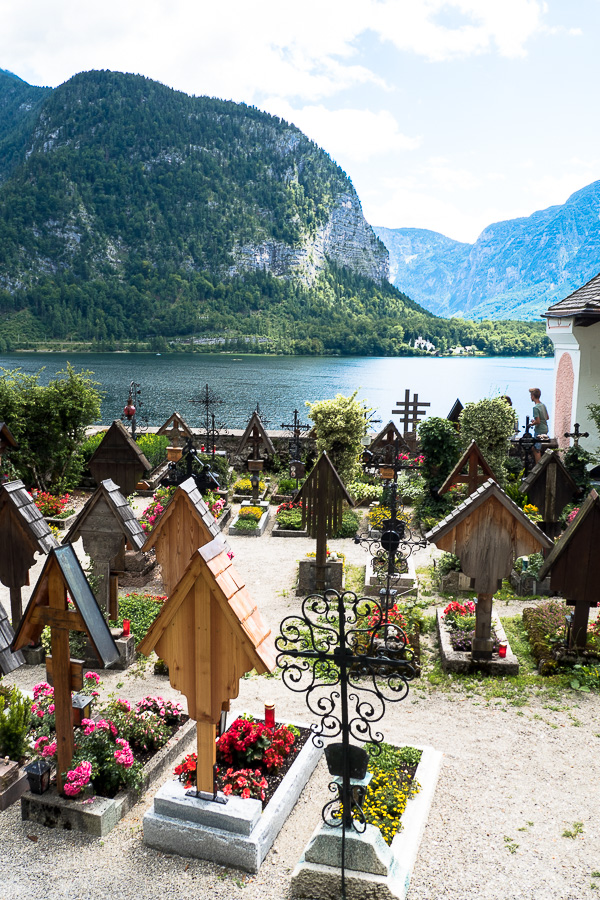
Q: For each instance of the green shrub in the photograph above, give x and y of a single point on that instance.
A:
(440, 445)
(287, 485)
(154, 447)
(246, 524)
(141, 610)
(545, 627)
(349, 525)
(363, 492)
(340, 425)
(291, 518)
(218, 464)
(576, 461)
(491, 423)
(15, 710)
(89, 447)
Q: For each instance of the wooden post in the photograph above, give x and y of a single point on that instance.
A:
(113, 598)
(207, 756)
(205, 734)
(321, 549)
(16, 605)
(482, 642)
(62, 679)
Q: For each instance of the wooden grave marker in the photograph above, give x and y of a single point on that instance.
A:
(549, 486)
(487, 532)
(186, 524)
(178, 431)
(119, 458)
(210, 633)
(474, 459)
(410, 411)
(454, 414)
(574, 567)
(107, 526)
(322, 496)
(24, 532)
(389, 436)
(48, 605)
(256, 435)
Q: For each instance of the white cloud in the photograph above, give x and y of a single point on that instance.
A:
(353, 134)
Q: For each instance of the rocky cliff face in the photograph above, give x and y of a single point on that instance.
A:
(515, 269)
(346, 238)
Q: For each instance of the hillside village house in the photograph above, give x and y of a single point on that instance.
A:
(573, 326)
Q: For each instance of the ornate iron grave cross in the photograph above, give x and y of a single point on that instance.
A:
(337, 649)
(526, 442)
(297, 428)
(576, 434)
(410, 411)
(395, 543)
(211, 429)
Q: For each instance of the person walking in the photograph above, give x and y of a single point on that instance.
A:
(539, 421)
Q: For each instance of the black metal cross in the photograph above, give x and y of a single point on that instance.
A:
(297, 428)
(209, 400)
(341, 642)
(526, 442)
(410, 410)
(576, 434)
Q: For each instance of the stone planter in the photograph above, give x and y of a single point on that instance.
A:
(62, 524)
(13, 783)
(461, 661)
(278, 531)
(307, 576)
(100, 816)
(260, 525)
(224, 518)
(242, 498)
(406, 582)
(525, 585)
(238, 833)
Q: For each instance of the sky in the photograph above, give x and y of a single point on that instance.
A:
(446, 114)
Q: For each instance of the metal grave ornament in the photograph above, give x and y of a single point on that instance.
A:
(210, 429)
(343, 654)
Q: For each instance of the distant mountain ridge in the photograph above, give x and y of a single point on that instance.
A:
(514, 270)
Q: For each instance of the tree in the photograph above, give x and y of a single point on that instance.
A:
(340, 426)
(491, 423)
(49, 424)
(440, 446)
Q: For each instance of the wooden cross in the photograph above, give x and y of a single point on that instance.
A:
(322, 495)
(256, 435)
(48, 606)
(549, 486)
(475, 460)
(410, 410)
(574, 567)
(576, 434)
(487, 532)
(210, 633)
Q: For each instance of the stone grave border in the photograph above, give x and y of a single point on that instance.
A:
(235, 834)
(260, 525)
(406, 583)
(460, 660)
(101, 815)
(310, 879)
(288, 532)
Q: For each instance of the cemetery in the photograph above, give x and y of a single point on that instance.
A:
(384, 706)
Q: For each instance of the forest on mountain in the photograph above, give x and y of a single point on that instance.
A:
(129, 211)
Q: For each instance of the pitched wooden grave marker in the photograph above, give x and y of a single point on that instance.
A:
(186, 524)
(24, 532)
(574, 567)
(487, 532)
(549, 486)
(474, 459)
(107, 526)
(454, 414)
(256, 435)
(210, 633)
(389, 436)
(119, 458)
(322, 496)
(178, 431)
(62, 574)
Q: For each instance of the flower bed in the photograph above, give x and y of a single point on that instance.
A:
(461, 660)
(545, 627)
(242, 489)
(251, 519)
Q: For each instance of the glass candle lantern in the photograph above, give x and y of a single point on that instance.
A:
(126, 627)
(270, 715)
(502, 649)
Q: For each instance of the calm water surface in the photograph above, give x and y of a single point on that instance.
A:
(281, 384)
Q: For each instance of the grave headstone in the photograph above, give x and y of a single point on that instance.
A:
(574, 567)
(549, 486)
(210, 633)
(487, 532)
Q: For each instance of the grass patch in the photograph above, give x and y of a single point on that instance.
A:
(355, 579)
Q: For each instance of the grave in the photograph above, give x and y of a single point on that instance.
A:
(185, 525)
(389, 436)
(322, 496)
(107, 526)
(119, 459)
(48, 605)
(178, 431)
(487, 532)
(549, 486)
(573, 568)
(410, 412)
(477, 467)
(256, 436)
(454, 414)
(25, 533)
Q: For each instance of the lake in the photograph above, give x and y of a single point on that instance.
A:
(281, 384)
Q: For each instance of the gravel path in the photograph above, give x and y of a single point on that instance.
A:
(514, 778)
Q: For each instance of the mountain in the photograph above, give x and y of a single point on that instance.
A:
(515, 269)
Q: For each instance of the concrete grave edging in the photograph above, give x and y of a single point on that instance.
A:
(460, 660)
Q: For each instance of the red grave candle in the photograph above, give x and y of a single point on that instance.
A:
(126, 627)
(502, 650)
(270, 715)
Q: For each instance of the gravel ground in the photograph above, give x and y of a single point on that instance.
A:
(514, 778)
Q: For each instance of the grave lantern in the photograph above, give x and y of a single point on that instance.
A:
(487, 532)
(210, 633)
(82, 707)
(38, 776)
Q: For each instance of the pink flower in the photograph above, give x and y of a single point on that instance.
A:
(88, 725)
(49, 750)
(92, 676)
(51, 708)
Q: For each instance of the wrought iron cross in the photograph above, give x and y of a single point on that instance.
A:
(526, 442)
(410, 410)
(209, 400)
(576, 434)
(338, 648)
(297, 428)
